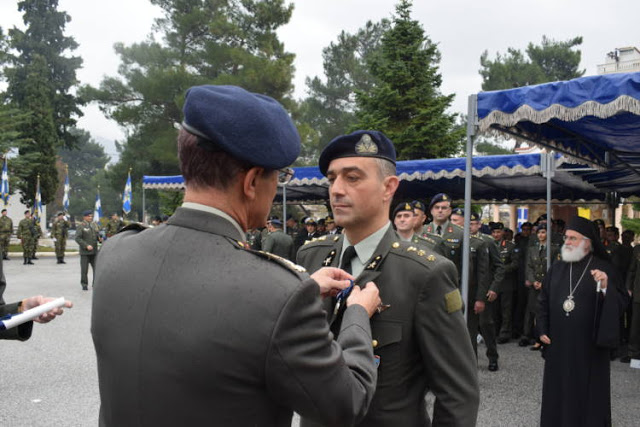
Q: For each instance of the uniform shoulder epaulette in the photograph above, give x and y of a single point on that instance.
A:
(409, 250)
(321, 241)
(291, 266)
(134, 226)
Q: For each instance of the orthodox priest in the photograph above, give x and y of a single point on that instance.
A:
(581, 302)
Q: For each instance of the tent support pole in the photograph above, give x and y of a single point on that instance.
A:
(472, 124)
(143, 206)
(548, 171)
(284, 208)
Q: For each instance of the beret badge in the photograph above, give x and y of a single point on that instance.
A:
(366, 145)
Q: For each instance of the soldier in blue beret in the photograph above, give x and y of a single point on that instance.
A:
(418, 335)
(420, 216)
(190, 325)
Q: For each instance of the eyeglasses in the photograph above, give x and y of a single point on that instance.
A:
(285, 175)
(573, 239)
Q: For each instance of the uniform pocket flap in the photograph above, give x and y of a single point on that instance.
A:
(385, 333)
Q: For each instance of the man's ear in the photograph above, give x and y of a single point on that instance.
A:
(250, 182)
(390, 186)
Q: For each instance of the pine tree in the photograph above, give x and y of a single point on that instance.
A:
(407, 104)
(40, 78)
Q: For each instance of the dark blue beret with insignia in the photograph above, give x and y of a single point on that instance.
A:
(440, 197)
(458, 211)
(417, 204)
(403, 207)
(496, 226)
(87, 212)
(249, 126)
(361, 143)
(474, 217)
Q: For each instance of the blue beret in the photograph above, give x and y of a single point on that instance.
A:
(403, 207)
(417, 204)
(458, 211)
(249, 126)
(87, 212)
(276, 222)
(496, 226)
(440, 197)
(361, 143)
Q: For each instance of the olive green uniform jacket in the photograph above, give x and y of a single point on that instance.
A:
(87, 234)
(279, 243)
(193, 329)
(421, 339)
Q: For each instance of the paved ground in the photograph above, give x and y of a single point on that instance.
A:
(51, 379)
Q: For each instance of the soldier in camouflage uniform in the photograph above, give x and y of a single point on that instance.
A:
(114, 225)
(27, 233)
(60, 232)
(6, 229)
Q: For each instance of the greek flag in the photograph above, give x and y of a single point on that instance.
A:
(126, 196)
(5, 183)
(37, 207)
(97, 210)
(65, 198)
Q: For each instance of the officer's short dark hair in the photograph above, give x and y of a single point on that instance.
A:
(203, 168)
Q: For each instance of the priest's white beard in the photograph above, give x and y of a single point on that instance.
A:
(574, 254)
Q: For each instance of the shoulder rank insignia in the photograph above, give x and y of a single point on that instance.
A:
(421, 253)
(283, 261)
(335, 239)
(412, 249)
(431, 258)
(374, 263)
(329, 259)
(322, 238)
(395, 245)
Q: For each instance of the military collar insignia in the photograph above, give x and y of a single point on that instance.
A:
(366, 145)
(429, 229)
(374, 263)
(450, 229)
(329, 259)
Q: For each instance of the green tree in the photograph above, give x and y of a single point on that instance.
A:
(548, 62)
(86, 165)
(406, 103)
(40, 81)
(329, 110)
(201, 42)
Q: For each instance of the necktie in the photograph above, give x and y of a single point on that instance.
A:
(439, 230)
(348, 255)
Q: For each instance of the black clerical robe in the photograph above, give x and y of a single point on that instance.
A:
(576, 387)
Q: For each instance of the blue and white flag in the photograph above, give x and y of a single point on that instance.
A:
(5, 183)
(97, 210)
(65, 198)
(37, 206)
(126, 195)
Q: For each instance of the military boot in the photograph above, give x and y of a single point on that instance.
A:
(29, 261)
(62, 260)
(25, 260)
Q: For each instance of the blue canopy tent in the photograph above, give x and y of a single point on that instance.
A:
(592, 119)
(514, 178)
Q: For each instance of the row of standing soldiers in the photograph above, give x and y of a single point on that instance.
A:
(29, 232)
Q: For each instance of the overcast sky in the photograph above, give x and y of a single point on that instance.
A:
(463, 29)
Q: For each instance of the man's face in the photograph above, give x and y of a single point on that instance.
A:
(322, 228)
(575, 246)
(311, 228)
(404, 221)
(542, 235)
(497, 234)
(114, 216)
(474, 226)
(612, 236)
(441, 211)
(291, 223)
(418, 219)
(4, 213)
(357, 191)
(331, 226)
(526, 231)
(457, 220)
(88, 218)
(508, 235)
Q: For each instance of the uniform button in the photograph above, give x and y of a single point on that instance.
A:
(374, 343)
